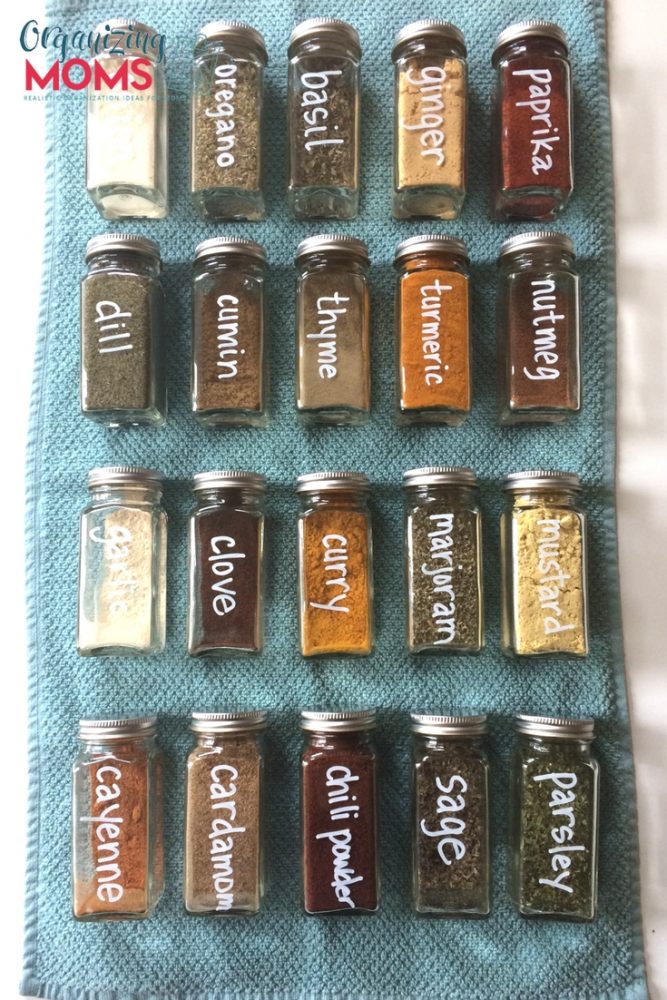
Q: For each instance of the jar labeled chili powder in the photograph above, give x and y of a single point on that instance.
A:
(538, 329)
(433, 330)
(532, 131)
(335, 568)
(338, 813)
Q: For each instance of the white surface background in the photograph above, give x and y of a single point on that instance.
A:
(638, 29)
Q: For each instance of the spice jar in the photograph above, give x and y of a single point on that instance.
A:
(117, 848)
(430, 113)
(323, 117)
(532, 122)
(226, 554)
(226, 111)
(223, 854)
(333, 331)
(433, 331)
(122, 316)
(229, 379)
(126, 140)
(543, 552)
(443, 561)
(538, 329)
(554, 818)
(338, 813)
(122, 568)
(335, 567)
(450, 816)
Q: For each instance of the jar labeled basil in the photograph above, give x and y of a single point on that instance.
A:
(450, 816)
(554, 818)
(226, 121)
(333, 331)
(122, 318)
(538, 329)
(229, 369)
(323, 119)
(443, 561)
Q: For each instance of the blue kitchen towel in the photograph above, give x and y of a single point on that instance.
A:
(281, 952)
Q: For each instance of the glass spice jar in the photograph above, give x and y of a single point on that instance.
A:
(122, 317)
(532, 122)
(544, 589)
(433, 331)
(430, 115)
(223, 850)
(451, 869)
(226, 117)
(117, 846)
(335, 564)
(443, 561)
(554, 812)
(126, 141)
(323, 117)
(333, 331)
(229, 367)
(122, 569)
(538, 329)
(339, 813)
(226, 555)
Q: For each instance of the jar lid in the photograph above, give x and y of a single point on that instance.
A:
(428, 28)
(449, 725)
(541, 479)
(120, 24)
(117, 729)
(326, 28)
(124, 474)
(440, 475)
(228, 722)
(338, 722)
(530, 29)
(329, 242)
(430, 244)
(231, 245)
(312, 482)
(233, 31)
(122, 241)
(532, 241)
(230, 478)
(563, 729)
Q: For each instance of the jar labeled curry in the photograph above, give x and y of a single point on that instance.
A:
(543, 551)
(443, 561)
(430, 114)
(333, 331)
(335, 568)
(554, 811)
(433, 331)
(538, 329)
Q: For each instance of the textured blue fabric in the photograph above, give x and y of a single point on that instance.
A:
(281, 953)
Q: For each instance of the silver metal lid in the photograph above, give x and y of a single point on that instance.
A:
(563, 729)
(122, 241)
(532, 241)
(230, 245)
(330, 242)
(541, 479)
(440, 475)
(327, 28)
(449, 725)
(228, 722)
(230, 478)
(124, 474)
(120, 24)
(315, 481)
(117, 729)
(530, 29)
(233, 31)
(338, 722)
(430, 244)
(430, 29)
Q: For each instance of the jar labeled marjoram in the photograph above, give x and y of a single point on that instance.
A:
(117, 846)
(543, 552)
(430, 115)
(122, 569)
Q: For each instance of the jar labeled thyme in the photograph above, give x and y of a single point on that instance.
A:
(333, 331)
(323, 119)
(226, 121)
(443, 561)
(554, 818)
(122, 316)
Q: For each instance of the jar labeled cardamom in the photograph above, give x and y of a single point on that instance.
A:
(122, 568)
(323, 119)
(430, 114)
(229, 369)
(122, 317)
(543, 552)
(335, 568)
(450, 816)
(226, 114)
(538, 329)
(554, 786)
(226, 554)
(433, 331)
(223, 851)
(443, 561)
(333, 331)
(532, 122)
(339, 813)
(126, 140)
(117, 846)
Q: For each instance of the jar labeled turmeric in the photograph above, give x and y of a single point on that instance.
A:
(335, 575)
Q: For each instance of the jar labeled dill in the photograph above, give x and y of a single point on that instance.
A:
(323, 119)
(554, 818)
(226, 121)
(450, 816)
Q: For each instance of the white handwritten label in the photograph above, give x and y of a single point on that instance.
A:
(430, 118)
(222, 797)
(343, 808)
(114, 334)
(315, 99)
(553, 579)
(222, 560)
(119, 580)
(545, 135)
(107, 826)
(329, 310)
(544, 320)
(561, 804)
(227, 338)
(223, 113)
(440, 571)
(431, 326)
(449, 806)
(334, 566)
